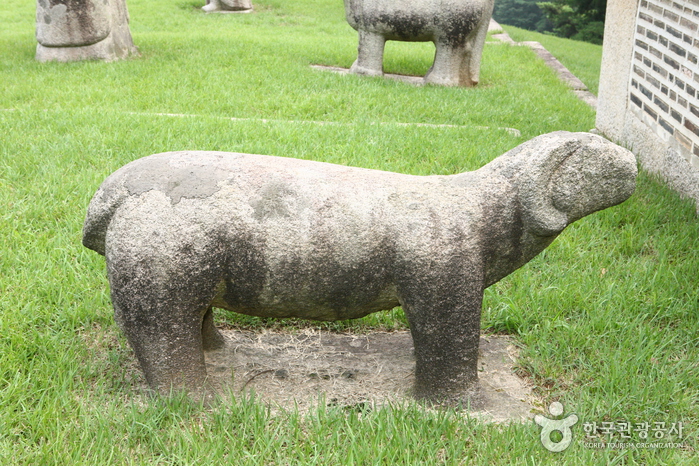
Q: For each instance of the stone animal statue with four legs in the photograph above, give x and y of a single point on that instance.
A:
(183, 232)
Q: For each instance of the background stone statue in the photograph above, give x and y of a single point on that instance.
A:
(282, 237)
(230, 6)
(70, 30)
(457, 27)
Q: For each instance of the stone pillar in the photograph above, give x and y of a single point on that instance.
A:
(649, 85)
(71, 30)
(617, 54)
(228, 6)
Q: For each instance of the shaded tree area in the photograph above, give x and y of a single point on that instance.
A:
(524, 14)
(573, 19)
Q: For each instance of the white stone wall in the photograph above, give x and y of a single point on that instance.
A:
(649, 86)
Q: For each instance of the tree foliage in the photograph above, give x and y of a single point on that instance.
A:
(524, 14)
(574, 19)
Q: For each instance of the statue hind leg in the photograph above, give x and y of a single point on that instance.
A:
(170, 353)
(469, 74)
(369, 60)
(447, 63)
(167, 320)
(211, 337)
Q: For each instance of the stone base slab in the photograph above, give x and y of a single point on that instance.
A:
(288, 370)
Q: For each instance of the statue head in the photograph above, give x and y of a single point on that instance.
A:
(561, 177)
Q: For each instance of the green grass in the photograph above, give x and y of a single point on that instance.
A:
(581, 58)
(607, 317)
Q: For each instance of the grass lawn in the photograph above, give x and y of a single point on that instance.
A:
(607, 317)
(581, 58)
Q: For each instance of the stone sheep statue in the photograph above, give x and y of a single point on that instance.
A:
(457, 27)
(70, 30)
(183, 232)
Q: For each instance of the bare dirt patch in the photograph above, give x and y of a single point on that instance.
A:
(288, 370)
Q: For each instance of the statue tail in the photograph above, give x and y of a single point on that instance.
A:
(102, 207)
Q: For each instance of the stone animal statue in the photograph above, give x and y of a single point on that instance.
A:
(227, 6)
(183, 232)
(70, 30)
(457, 27)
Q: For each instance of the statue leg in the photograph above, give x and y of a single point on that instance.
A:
(445, 325)
(471, 64)
(447, 63)
(369, 54)
(211, 337)
(169, 350)
(164, 310)
(211, 5)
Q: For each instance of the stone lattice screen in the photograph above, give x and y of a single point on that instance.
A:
(664, 91)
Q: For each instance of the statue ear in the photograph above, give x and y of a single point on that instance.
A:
(567, 176)
(540, 160)
(599, 176)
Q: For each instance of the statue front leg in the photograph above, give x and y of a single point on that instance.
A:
(369, 54)
(445, 325)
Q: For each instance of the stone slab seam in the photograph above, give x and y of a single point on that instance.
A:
(512, 131)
